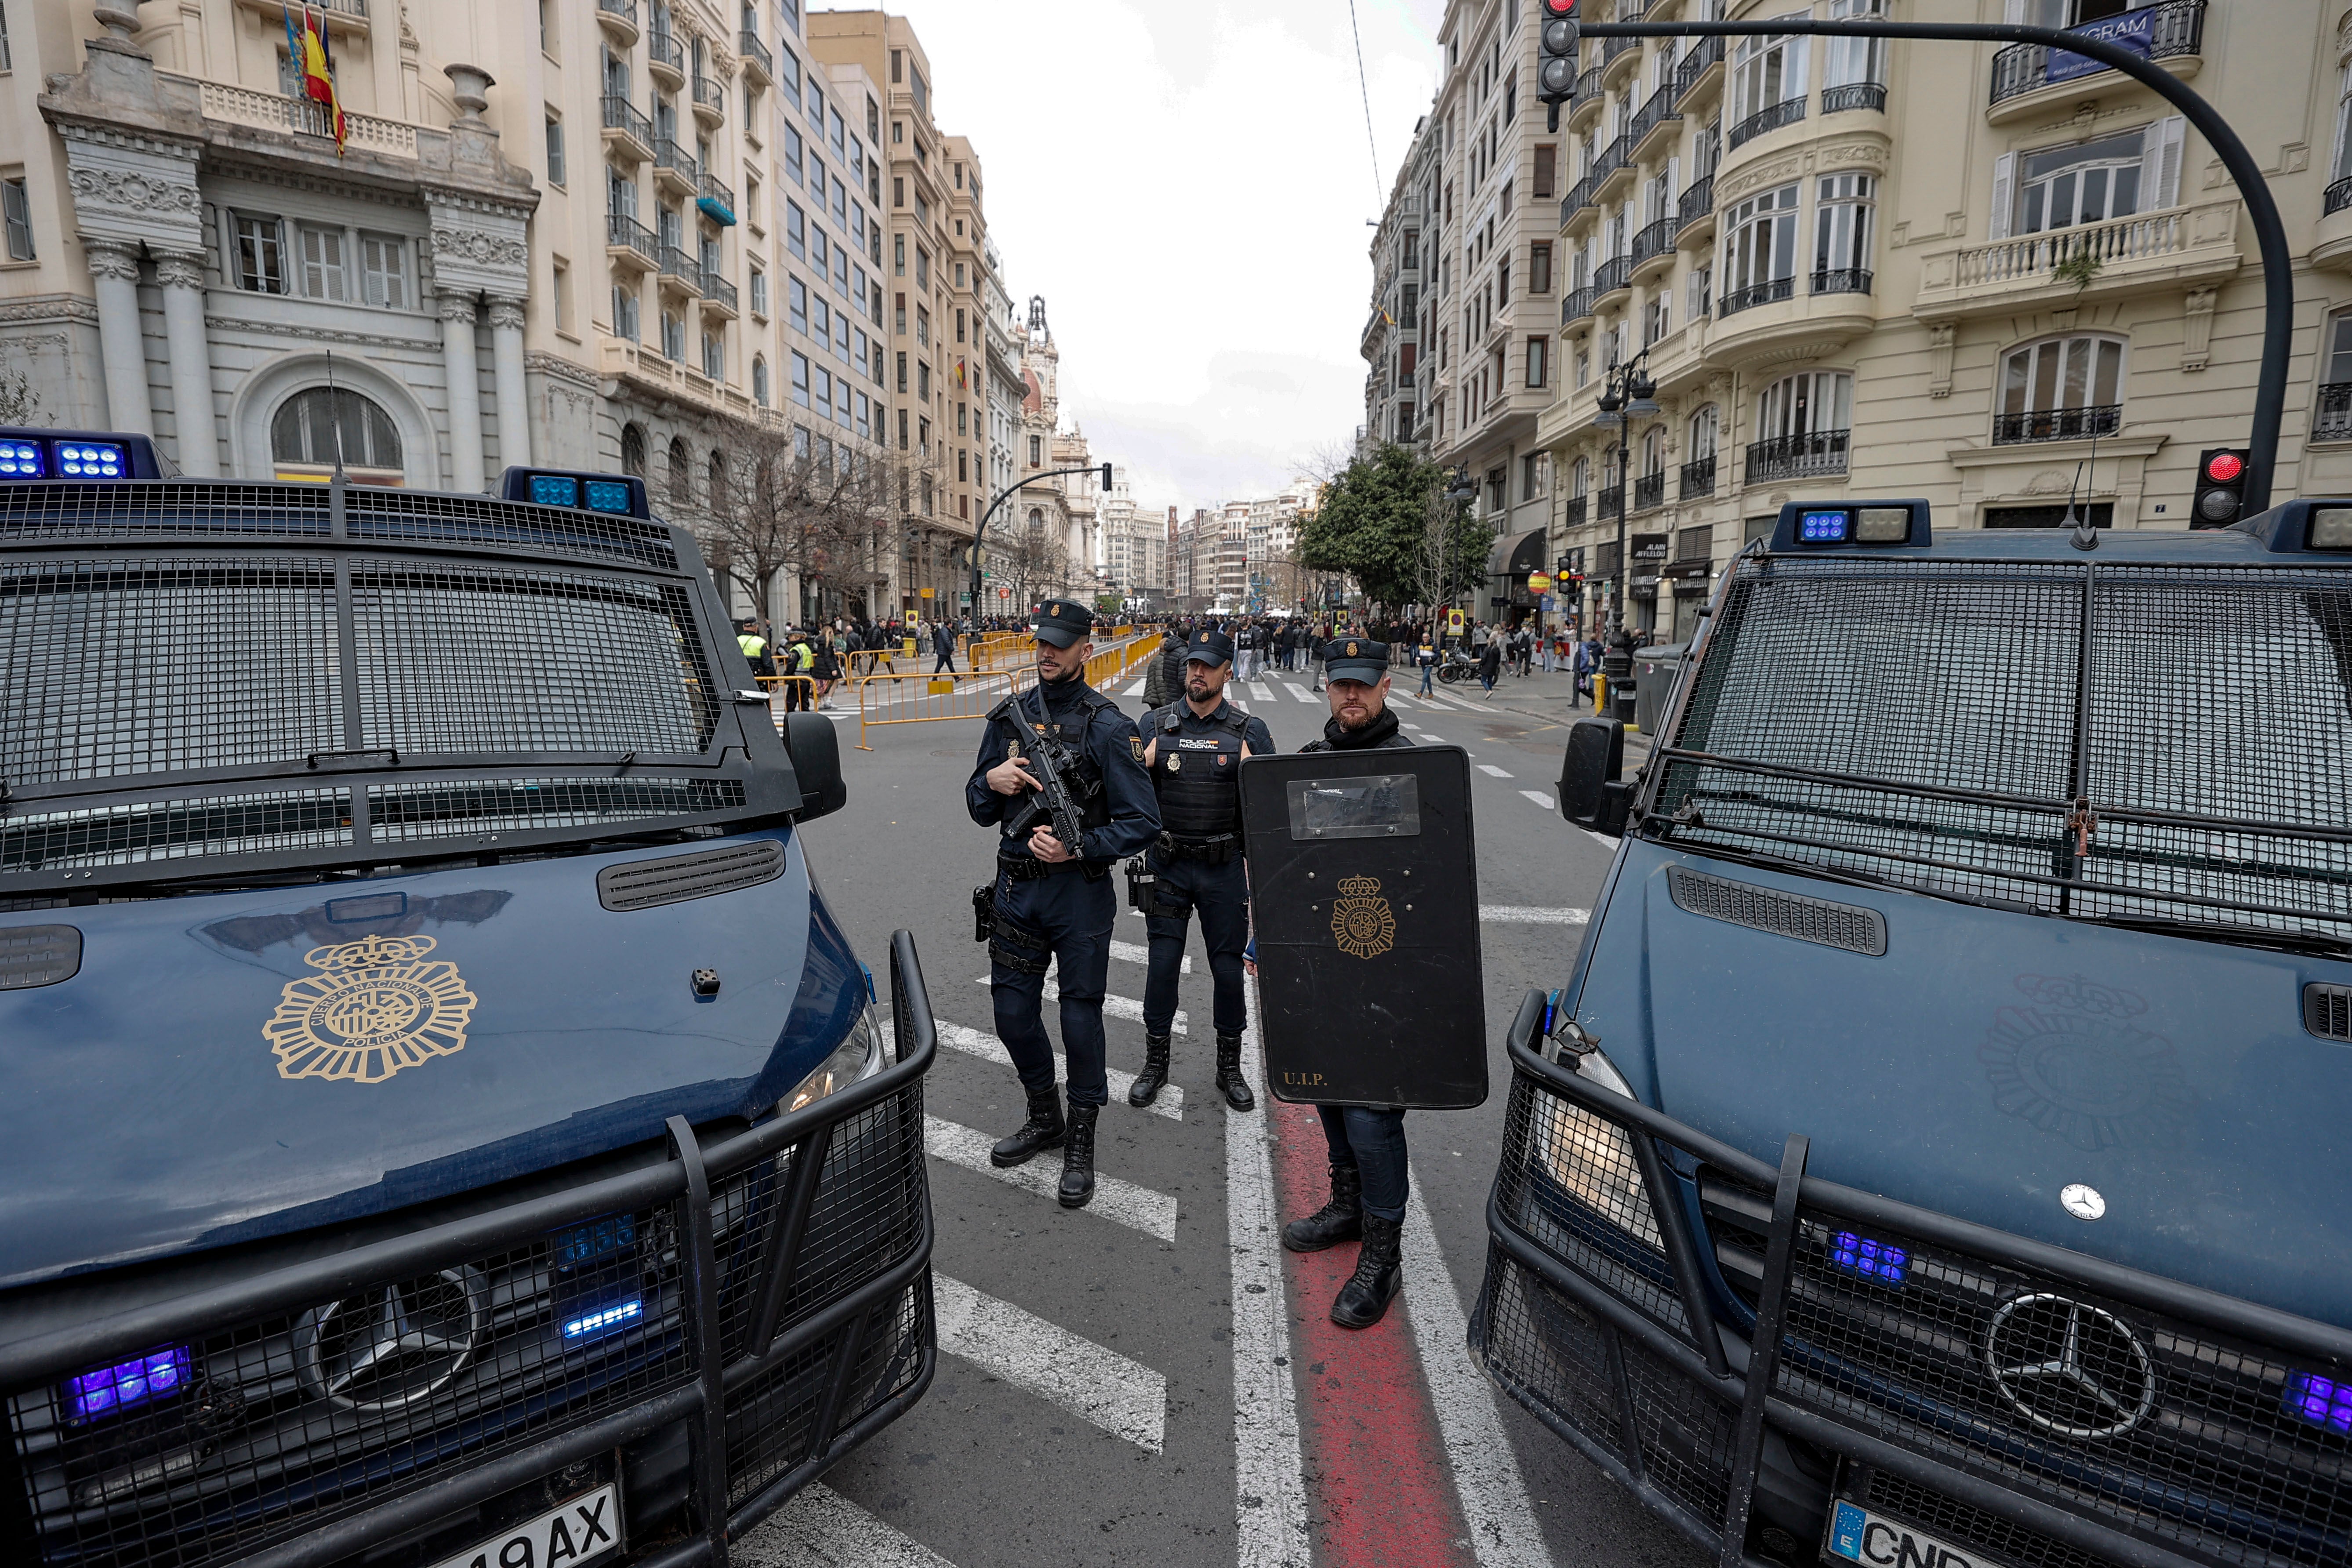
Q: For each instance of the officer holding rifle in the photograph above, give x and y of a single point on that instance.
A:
(1061, 775)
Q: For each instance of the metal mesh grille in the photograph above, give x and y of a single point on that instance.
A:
(2327, 1011)
(1572, 1181)
(272, 1426)
(177, 830)
(115, 668)
(867, 1213)
(1846, 926)
(379, 513)
(771, 1420)
(1545, 1348)
(96, 512)
(1688, 1439)
(649, 884)
(410, 812)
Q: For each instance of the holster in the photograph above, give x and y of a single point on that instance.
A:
(983, 911)
(1017, 948)
(1142, 882)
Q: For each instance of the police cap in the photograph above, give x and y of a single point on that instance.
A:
(1062, 622)
(1355, 659)
(1210, 646)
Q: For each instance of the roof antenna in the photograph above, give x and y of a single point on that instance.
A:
(335, 413)
(2085, 536)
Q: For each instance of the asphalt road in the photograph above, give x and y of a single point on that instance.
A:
(1084, 1408)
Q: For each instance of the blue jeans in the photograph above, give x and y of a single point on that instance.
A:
(1372, 1139)
(1426, 671)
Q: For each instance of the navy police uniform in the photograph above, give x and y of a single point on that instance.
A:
(1196, 864)
(1369, 1170)
(1060, 911)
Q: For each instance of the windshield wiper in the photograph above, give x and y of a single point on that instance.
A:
(2301, 941)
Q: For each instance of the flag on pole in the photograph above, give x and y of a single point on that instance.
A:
(318, 69)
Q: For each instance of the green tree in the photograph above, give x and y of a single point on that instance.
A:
(1384, 521)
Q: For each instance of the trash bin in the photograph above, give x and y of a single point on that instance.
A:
(1654, 672)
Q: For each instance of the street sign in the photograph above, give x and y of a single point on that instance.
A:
(1004, 593)
(926, 593)
(1453, 620)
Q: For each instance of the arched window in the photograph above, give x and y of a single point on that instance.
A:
(760, 381)
(632, 450)
(1802, 426)
(681, 472)
(717, 492)
(1579, 477)
(2061, 389)
(1036, 516)
(303, 437)
(1654, 451)
(1704, 427)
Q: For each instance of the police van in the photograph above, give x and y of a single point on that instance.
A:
(1936, 1158)
(443, 1121)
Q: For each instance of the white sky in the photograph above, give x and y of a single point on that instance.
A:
(1187, 183)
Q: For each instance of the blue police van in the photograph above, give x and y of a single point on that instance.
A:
(441, 1121)
(1936, 1158)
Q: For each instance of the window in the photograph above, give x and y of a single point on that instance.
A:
(1702, 291)
(2060, 389)
(1539, 272)
(751, 199)
(898, 190)
(1704, 427)
(796, 230)
(902, 373)
(1765, 73)
(324, 273)
(2089, 182)
(1656, 319)
(899, 255)
(312, 429)
(923, 326)
(1842, 225)
(1546, 161)
(624, 311)
(1811, 404)
(2340, 168)
(922, 267)
(1583, 367)
(821, 314)
(1855, 61)
(632, 450)
(7, 59)
(800, 378)
(759, 280)
(260, 254)
(1532, 469)
(714, 357)
(1759, 249)
(793, 152)
(796, 303)
(17, 212)
(923, 380)
(1036, 452)
(1539, 362)
(554, 148)
(673, 333)
(561, 271)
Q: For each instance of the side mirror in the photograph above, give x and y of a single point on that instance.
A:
(1590, 793)
(815, 746)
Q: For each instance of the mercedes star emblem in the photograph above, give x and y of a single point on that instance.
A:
(391, 1345)
(2081, 1201)
(2070, 1368)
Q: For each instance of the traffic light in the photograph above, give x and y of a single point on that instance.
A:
(2221, 487)
(1555, 77)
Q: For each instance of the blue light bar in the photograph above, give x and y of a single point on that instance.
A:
(1823, 527)
(20, 459)
(601, 1322)
(1871, 1259)
(91, 461)
(555, 490)
(584, 1242)
(130, 1382)
(2322, 1401)
(608, 495)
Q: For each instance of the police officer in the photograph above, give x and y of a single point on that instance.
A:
(1055, 901)
(1367, 1141)
(754, 646)
(1195, 749)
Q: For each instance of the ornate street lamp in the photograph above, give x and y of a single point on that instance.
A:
(1627, 394)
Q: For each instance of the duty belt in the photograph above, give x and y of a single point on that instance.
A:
(1219, 850)
(1028, 869)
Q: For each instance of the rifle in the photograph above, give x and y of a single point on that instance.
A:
(1051, 760)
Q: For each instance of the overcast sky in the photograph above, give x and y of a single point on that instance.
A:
(1187, 185)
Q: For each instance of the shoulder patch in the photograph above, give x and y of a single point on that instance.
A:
(1135, 744)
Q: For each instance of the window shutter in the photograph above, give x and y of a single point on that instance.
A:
(1801, 58)
(2004, 193)
(1674, 184)
(2159, 172)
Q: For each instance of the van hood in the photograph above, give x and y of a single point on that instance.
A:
(177, 1093)
(1989, 1059)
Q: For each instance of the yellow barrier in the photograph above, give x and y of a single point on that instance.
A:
(969, 694)
(773, 684)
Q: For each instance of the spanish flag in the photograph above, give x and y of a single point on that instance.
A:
(307, 50)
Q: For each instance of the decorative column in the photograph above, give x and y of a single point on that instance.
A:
(506, 378)
(465, 375)
(182, 276)
(114, 275)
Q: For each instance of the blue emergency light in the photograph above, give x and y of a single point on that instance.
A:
(1845, 525)
(604, 1322)
(27, 453)
(1871, 1259)
(2322, 1401)
(617, 495)
(103, 1390)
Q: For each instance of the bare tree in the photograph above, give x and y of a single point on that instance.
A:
(19, 402)
(1036, 558)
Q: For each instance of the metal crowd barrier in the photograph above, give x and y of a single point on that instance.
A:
(2046, 1406)
(763, 1300)
(970, 693)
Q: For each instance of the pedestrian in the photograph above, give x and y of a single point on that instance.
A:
(801, 666)
(1164, 682)
(1194, 749)
(1368, 1161)
(944, 645)
(1490, 665)
(1425, 656)
(754, 646)
(826, 669)
(1052, 900)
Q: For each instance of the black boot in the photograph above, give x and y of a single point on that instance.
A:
(1078, 1157)
(1229, 1073)
(1341, 1219)
(1147, 1083)
(1364, 1299)
(1042, 1130)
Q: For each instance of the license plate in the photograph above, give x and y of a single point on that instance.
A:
(582, 1530)
(1863, 1535)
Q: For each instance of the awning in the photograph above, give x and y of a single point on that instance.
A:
(1516, 554)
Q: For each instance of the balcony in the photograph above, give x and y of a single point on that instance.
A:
(1657, 114)
(1697, 206)
(2057, 425)
(1649, 492)
(665, 59)
(1842, 280)
(710, 100)
(1809, 455)
(681, 270)
(630, 242)
(350, 16)
(1573, 514)
(1698, 478)
(627, 132)
(674, 167)
(2144, 254)
(1654, 245)
(1609, 501)
(2332, 421)
(1731, 301)
(1580, 196)
(1613, 276)
(2175, 31)
(1787, 112)
(1611, 170)
(1585, 107)
(619, 20)
(715, 199)
(1576, 307)
(757, 63)
(1869, 95)
(719, 297)
(1700, 73)
(2339, 197)
(1616, 53)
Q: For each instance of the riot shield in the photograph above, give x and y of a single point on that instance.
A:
(1364, 896)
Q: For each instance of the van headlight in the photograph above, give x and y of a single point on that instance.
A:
(1592, 1159)
(859, 1057)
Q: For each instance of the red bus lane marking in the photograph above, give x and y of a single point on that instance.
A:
(1379, 1490)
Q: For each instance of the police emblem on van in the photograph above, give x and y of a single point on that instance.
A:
(1361, 921)
(376, 1007)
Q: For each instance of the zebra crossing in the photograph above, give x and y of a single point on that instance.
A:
(1264, 692)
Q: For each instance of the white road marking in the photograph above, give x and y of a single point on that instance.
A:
(1136, 689)
(1138, 953)
(1299, 691)
(1270, 1499)
(989, 1048)
(1492, 771)
(1122, 1202)
(1610, 845)
(1261, 691)
(1542, 799)
(822, 1529)
(1486, 1473)
(1113, 1006)
(1523, 914)
(1099, 1386)
(1434, 740)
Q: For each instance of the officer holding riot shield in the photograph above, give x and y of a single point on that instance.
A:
(1060, 775)
(1194, 749)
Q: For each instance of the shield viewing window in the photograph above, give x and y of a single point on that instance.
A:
(1383, 805)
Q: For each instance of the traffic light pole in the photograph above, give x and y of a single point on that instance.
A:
(2270, 234)
(1100, 470)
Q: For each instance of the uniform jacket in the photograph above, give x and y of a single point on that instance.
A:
(1107, 737)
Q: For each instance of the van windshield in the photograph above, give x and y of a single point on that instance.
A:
(2158, 743)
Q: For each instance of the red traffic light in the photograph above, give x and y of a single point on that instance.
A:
(2224, 467)
(1559, 8)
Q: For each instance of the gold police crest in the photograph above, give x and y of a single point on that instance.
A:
(1360, 920)
(376, 1007)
